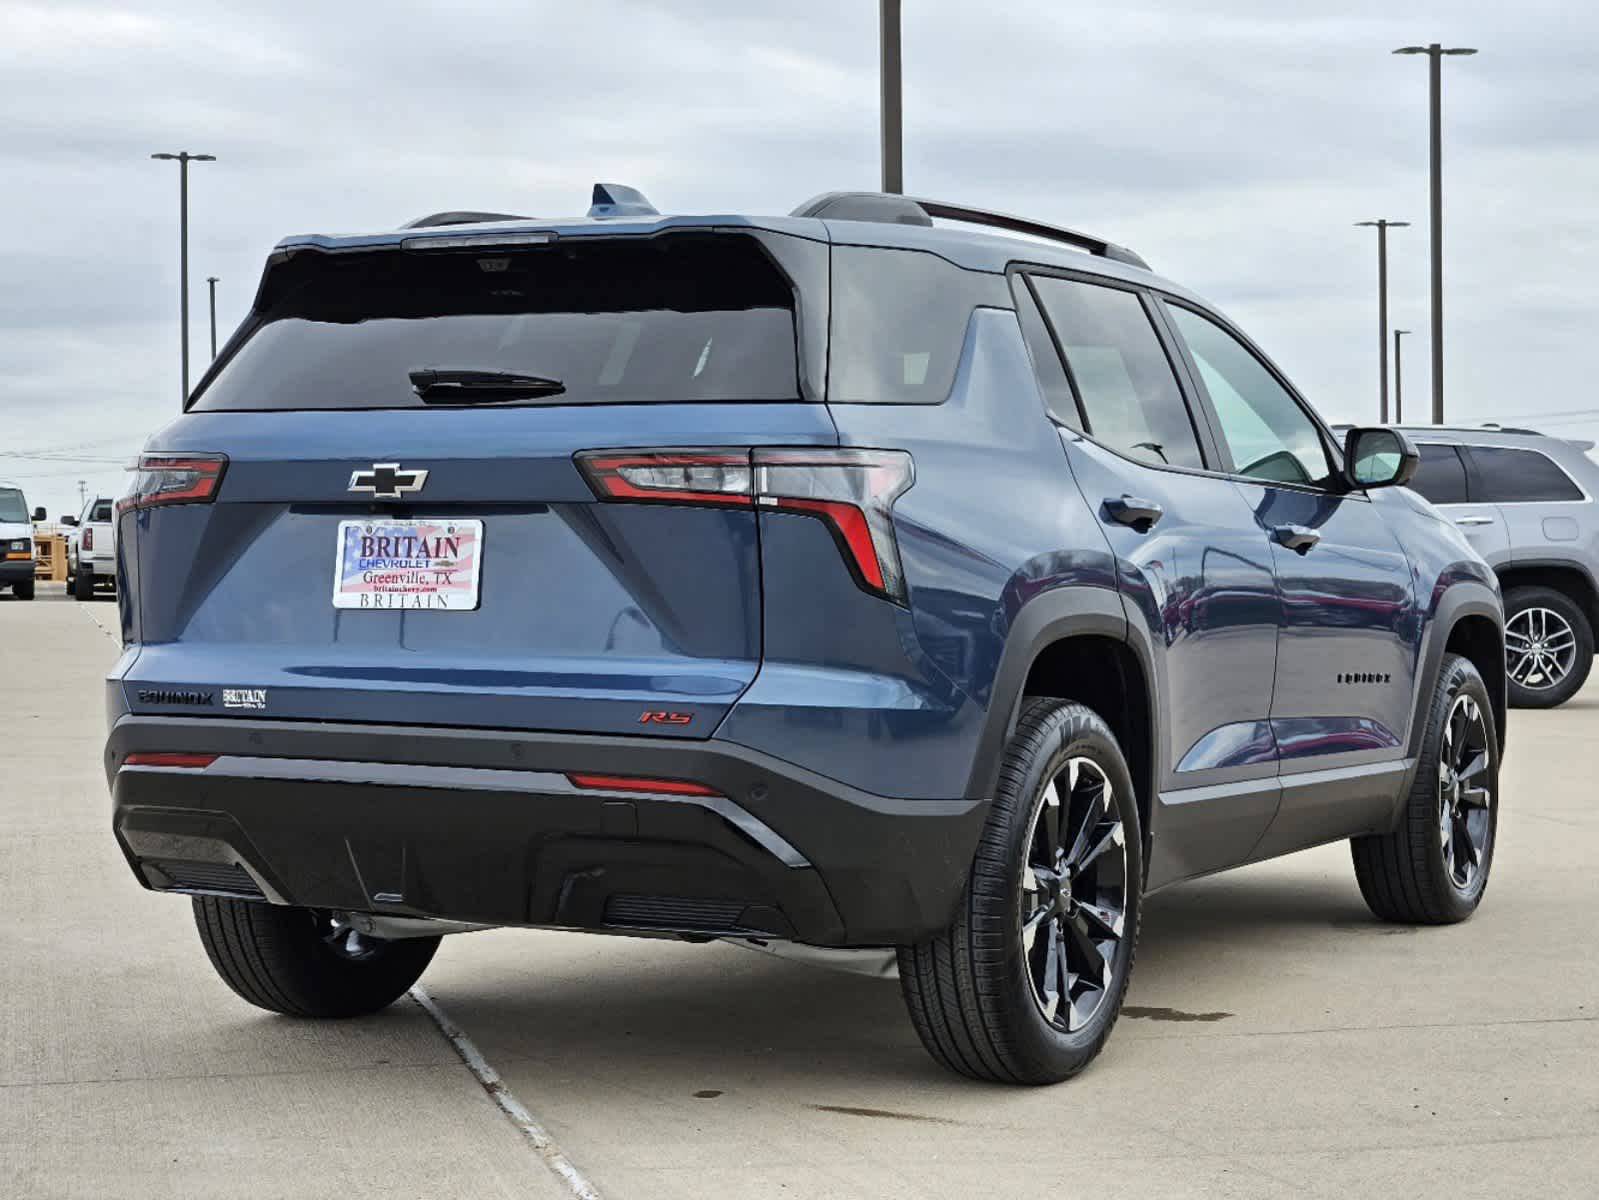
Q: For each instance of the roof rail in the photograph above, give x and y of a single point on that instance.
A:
(460, 218)
(912, 210)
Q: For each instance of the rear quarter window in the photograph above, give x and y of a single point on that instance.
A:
(899, 322)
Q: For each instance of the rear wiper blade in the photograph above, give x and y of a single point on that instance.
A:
(440, 385)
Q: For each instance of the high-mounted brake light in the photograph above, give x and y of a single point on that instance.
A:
(640, 783)
(166, 758)
(474, 241)
(173, 479)
(851, 491)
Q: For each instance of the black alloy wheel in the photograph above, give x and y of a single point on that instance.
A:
(1465, 801)
(1074, 894)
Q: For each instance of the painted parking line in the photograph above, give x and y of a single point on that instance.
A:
(537, 1136)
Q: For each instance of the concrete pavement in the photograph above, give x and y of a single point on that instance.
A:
(1277, 1040)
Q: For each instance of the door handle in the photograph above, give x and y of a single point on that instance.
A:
(1131, 510)
(1474, 520)
(1298, 538)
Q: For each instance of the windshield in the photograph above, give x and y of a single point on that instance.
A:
(683, 318)
(12, 505)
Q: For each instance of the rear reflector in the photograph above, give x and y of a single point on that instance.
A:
(641, 783)
(163, 758)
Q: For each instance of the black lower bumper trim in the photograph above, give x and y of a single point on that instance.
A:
(484, 827)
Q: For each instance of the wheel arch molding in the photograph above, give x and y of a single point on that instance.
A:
(1050, 635)
(1468, 620)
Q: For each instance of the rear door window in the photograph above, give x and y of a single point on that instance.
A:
(1508, 476)
(678, 318)
(1129, 393)
(1441, 476)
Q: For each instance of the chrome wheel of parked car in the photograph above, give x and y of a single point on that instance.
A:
(1540, 648)
(1465, 795)
(1074, 894)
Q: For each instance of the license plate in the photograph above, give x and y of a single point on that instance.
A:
(430, 564)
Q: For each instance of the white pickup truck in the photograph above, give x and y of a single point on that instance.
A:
(91, 552)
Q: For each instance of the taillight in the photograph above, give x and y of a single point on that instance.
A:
(852, 491)
(168, 758)
(173, 479)
(88, 538)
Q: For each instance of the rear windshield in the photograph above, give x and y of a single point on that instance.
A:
(102, 511)
(685, 318)
(12, 507)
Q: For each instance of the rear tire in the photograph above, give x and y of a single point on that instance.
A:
(1433, 869)
(300, 962)
(1026, 983)
(23, 590)
(83, 584)
(1555, 624)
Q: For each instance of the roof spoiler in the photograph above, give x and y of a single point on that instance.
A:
(462, 217)
(910, 210)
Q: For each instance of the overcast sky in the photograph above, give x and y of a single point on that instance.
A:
(1231, 143)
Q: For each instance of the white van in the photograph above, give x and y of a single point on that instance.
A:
(16, 541)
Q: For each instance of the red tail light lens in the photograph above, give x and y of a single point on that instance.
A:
(164, 758)
(173, 479)
(641, 783)
(853, 491)
(88, 538)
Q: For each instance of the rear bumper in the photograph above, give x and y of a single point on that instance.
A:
(484, 826)
(17, 570)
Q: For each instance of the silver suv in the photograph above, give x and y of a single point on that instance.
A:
(1525, 501)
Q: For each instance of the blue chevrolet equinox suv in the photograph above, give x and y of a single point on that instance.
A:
(892, 574)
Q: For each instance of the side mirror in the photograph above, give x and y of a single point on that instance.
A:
(38, 514)
(1379, 457)
(68, 521)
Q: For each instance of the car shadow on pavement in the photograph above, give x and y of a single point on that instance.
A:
(723, 1013)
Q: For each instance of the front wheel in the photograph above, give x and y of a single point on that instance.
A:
(1433, 869)
(305, 962)
(1026, 983)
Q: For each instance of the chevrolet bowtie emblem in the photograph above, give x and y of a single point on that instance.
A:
(387, 480)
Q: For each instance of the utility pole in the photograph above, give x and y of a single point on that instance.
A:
(1382, 227)
(1435, 53)
(892, 108)
(1399, 379)
(211, 282)
(183, 159)
(83, 493)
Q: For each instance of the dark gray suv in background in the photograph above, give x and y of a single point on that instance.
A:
(1525, 501)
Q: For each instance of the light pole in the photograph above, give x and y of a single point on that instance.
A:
(1399, 379)
(211, 282)
(1382, 227)
(183, 159)
(893, 160)
(1435, 53)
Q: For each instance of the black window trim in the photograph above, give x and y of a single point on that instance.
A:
(1475, 475)
(1204, 433)
(1329, 441)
